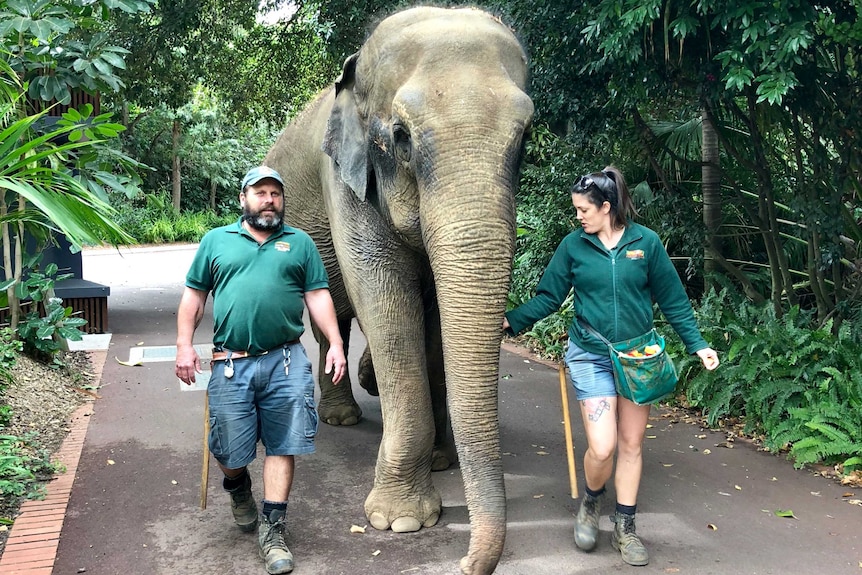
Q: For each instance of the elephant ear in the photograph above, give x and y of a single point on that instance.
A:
(345, 138)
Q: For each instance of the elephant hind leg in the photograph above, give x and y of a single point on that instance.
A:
(367, 377)
(337, 405)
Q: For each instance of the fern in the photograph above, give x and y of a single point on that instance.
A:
(793, 381)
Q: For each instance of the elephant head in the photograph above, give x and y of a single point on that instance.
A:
(426, 134)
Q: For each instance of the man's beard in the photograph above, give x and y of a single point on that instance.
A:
(263, 223)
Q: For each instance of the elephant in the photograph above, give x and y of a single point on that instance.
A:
(404, 173)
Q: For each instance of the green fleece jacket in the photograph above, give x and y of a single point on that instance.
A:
(614, 290)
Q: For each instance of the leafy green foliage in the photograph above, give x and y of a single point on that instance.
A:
(20, 472)
(792, 381)
(10, 347)
(545, 214)
(60, 46)
(152, 220)
(48, 324)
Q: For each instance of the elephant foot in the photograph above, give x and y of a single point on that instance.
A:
(402, 514)
(340, 414)
(440, 460)
(367, 377)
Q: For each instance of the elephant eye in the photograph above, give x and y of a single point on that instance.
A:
(401, 137)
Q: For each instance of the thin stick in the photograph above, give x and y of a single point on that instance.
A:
(567, 423)
(205, 472)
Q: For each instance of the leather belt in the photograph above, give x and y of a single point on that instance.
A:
(220, 354)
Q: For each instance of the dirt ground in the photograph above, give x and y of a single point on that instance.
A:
(42, 399)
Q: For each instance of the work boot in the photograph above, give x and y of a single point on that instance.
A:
(273, 549)
(625, 540)
(587, 522)
(243, 506)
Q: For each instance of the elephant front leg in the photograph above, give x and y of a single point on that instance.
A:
(403, 497)
(337, 405)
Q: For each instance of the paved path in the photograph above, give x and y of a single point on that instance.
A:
(703, 509)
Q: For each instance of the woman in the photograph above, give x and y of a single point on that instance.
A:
(617, 269)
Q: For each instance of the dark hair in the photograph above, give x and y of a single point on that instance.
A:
(608, 186)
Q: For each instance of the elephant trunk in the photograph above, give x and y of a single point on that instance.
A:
(470, 251)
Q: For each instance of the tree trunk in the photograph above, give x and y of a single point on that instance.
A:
(213, 188)
(176, 182)
(711, 180)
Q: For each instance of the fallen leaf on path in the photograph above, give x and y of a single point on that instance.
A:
(650, 436)
(541, 453)
(785, 513)
(854, 501)
(667, 464)
(174, 482)
(815, 493)
(706, 451)
(737, 487)
(140, 343)
(128, 363)
(376, 553)
(712, 526)
(357, 529)
(848, 494)
(111, 462)
(671, 570)
(539, 496)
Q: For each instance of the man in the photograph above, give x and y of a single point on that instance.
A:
(260, 272)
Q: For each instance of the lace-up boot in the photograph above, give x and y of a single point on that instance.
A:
(273, 549)
(625, 540)
(243, 506)
(587, 522)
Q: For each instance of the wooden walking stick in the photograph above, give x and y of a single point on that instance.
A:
(567, 423)
(205, 472)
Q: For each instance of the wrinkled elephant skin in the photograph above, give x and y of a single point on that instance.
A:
(404, 174)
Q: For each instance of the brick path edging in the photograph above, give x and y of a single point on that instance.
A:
(32, 544)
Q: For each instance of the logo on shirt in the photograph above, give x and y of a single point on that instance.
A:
(635, 254)
(282, 247)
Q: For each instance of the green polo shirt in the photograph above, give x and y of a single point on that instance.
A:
(257, 289)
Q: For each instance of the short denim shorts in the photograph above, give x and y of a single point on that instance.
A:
(260, 402)
(592, 375)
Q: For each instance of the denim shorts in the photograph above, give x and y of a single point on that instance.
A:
(260, 402)
(592, 375)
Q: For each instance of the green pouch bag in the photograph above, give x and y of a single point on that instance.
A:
(641, 379)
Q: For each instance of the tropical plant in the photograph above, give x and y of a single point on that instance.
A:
(49, 324)
(58, 46)
(42, 189)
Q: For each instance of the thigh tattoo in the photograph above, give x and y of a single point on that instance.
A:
(598, 409)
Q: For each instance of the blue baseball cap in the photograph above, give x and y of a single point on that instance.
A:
(257, 174)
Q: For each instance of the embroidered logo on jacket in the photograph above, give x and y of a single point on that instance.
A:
(282, 247)
(635, 254)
